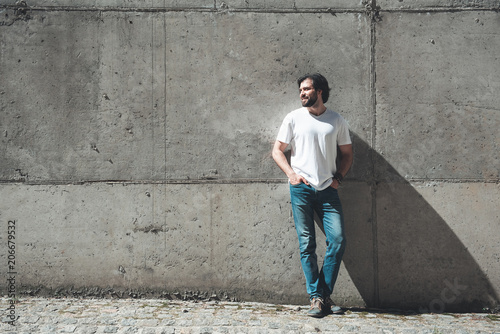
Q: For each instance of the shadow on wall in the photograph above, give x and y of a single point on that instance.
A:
(400, 252)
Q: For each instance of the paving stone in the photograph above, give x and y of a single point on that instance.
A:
(67, 329)
(86, 330)
(94, 316)
(30, 319)
(166, 331)
(128, 330)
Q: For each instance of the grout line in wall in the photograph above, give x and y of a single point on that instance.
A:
(254, 10)
(373, 187)
(227, 181)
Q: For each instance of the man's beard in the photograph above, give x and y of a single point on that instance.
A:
(311, 101)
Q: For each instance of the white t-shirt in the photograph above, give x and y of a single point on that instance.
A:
(314, 141)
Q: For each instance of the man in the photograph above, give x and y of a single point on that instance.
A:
(314, 134)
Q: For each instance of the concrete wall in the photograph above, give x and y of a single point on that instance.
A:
(136, 137)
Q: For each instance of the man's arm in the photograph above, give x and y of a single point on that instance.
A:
(282, 162)
(345, 162)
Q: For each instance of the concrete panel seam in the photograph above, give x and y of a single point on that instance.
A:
(149, 182)
(231, 181)
(441, 9)
(109, 9)
(186, 9)
(373, 9)
(438, 180)
(369, 9)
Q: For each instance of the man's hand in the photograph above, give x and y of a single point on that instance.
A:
(297, 179)
(335, 184)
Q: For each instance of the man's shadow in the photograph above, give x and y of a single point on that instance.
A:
(400, 253)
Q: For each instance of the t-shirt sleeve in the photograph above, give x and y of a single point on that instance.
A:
(343, 137)
(285, 133)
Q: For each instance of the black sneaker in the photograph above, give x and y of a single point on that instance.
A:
(331, 307)
(317, 308)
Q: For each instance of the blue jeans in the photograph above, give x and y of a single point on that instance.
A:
(326, 203)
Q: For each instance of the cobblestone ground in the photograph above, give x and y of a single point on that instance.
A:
(48, 315)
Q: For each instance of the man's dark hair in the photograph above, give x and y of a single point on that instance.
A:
(319, 83)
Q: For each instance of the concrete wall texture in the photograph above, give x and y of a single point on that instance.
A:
(136, 139)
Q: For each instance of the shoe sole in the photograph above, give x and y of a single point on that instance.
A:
(336, 312)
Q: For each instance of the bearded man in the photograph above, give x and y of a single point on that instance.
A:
(314, 133)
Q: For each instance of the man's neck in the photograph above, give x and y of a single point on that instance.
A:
(317, 109)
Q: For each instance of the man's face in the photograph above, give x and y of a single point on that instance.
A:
(308, 95)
